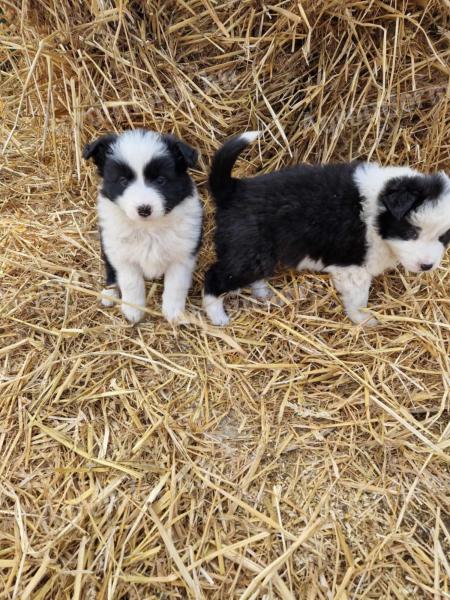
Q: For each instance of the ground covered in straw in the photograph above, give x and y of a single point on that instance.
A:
(290, 455)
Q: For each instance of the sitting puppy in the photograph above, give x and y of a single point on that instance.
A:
(351, 220)
(150, 218)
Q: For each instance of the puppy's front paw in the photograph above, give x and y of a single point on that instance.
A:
(173, 313)
(372, 322)
(361, 318)
(220, 320)
(133, 315)
(108, 295)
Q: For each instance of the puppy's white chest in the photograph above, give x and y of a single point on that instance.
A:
(152, 251)
(153, 246)
(149, 251)
(379, 258)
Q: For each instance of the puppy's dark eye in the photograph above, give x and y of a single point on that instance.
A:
(445, 238)
(161, 180)
(123, 181)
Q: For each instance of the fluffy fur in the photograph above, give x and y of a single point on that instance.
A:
(150, 218)
(351, 220)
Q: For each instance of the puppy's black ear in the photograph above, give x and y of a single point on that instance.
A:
(402, 194)
(184, 155)
(98, 150)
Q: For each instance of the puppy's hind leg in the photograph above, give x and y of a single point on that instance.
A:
(215, 310)
(219, 281)
(261, 290)
(212, 299)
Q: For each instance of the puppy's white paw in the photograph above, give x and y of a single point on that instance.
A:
(261, 290)
(215, 311)
(133, 315)
(220, 320)
(361, 318)
(108, 295)
(173, 313)
(372, 322)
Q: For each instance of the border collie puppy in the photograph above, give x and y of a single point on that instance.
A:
(150, 218)
(351, 220)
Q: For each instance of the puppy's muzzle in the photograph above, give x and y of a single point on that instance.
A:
(144, 211)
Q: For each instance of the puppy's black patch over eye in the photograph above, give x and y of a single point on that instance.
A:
(445, 238)
(391, 228)
(159, 171)
(117, 177)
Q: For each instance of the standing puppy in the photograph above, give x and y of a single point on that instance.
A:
(150, 218)
(351, 220)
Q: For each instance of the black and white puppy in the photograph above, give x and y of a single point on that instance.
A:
(351, 220)
(150, 218)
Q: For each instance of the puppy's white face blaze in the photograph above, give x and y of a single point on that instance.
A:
(418, 239)
(141, 198)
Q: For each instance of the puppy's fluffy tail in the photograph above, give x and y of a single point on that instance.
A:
(223, 161)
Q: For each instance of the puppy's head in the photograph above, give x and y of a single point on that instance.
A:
(415, 219)
(143, 173)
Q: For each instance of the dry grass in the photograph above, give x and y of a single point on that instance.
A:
(291, 455)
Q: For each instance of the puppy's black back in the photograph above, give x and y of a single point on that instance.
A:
(283, 217)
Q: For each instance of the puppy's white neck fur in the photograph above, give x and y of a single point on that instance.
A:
(370, 178)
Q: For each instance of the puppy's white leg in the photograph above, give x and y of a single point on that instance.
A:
(213, 306)
(132, 287)
(177, 281)
(261, 290)
(108, 295)
(353, 284)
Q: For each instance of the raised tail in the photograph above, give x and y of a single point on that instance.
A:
(223, 161)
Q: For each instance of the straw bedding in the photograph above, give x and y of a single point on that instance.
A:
(290, 455)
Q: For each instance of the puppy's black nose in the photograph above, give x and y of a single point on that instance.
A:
(426, 267)
(144, 211)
